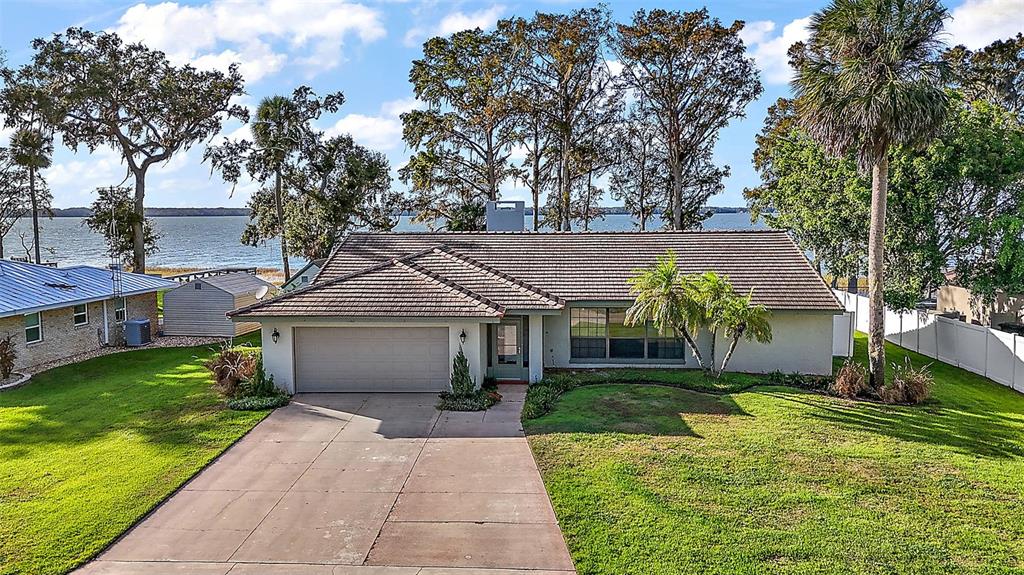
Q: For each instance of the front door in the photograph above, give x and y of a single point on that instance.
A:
(507, 355)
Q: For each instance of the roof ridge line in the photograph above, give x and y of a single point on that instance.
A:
(438, 278)
(313, 287)
(454, 254)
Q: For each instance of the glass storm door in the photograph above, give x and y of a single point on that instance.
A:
(508, 352)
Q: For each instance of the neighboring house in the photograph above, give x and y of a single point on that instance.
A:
(1004, 309)
(305, 276)
(389, 311)
(54, 313)
(199, 307)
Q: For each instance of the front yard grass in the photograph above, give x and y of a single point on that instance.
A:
(656, 480)
(87, 449)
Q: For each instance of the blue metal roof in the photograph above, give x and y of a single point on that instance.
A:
(28, 288)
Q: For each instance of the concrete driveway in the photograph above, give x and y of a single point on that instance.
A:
(359, 484)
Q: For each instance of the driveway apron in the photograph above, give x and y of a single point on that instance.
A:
(360, 484)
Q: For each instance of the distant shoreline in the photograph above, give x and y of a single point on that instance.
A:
(205, 212)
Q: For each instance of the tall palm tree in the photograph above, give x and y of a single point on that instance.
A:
(33, 150)
(742, 319)
(276, 134)
(869, 79)
(664, 297)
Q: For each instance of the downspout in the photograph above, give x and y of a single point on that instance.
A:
(106, 329)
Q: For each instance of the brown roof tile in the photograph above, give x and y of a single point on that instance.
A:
(528, 270)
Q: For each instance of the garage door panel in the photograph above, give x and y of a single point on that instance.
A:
(371, 359)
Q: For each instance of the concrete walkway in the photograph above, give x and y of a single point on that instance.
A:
(359, 484)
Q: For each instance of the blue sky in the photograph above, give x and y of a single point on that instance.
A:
(364, 49)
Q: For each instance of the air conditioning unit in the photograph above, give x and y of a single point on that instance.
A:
(137, 332)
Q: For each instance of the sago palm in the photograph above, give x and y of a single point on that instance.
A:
(742, 319)
(869, 79)
(276, 134)
(664, 297)
(33, 150)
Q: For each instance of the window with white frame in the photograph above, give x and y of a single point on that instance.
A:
(81, 314)
(599, 333)
(33, 327)
(120, 310)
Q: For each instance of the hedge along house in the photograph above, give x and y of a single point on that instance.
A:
(56, 313)
(199, 307)
(389, 311)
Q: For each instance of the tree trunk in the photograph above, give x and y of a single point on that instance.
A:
(279, 208)
(851, 284)
(876, 263)
(536, 181)
(677, 192)
(35, 213)
(693, 347)
(714, 340)
(566, 191)
(138, 237)
(728, 354)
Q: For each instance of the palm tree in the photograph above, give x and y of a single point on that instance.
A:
(712, 295)
(276, 134)
(741, 319)
(664, 297)
(32, 150)
(870, 79)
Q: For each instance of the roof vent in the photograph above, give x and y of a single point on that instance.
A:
(505, 216)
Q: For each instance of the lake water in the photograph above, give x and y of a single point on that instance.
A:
(212, 241)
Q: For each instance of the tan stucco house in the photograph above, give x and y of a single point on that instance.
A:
(56, 313)
(389, 311)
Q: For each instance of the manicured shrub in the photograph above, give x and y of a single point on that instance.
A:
(851, 381)
(258, 403)
(478, 400)
(462, 382)
(260, 384)
(908, 384)
(7, 356)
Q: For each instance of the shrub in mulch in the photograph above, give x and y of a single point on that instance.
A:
(464, 396)
(851, 381)
(908, 385)
(258, 403)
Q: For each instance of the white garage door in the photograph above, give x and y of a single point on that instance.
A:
(371, 359)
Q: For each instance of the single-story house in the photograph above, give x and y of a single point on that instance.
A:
(389, 311)
(54, 313)
(199, 307)
(304, 276)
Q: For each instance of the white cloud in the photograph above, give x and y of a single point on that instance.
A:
(262, 35)
(457, 21)
(978, 23)
(382, 132)
(770, 51)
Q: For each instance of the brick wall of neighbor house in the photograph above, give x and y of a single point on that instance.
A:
(62, 338)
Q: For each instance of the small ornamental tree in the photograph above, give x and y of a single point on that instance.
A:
(7, 356)
(462, 382)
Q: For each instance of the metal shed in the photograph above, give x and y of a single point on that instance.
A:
(198, 307)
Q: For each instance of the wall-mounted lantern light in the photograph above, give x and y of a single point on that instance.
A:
(462, 336)
(276, 335)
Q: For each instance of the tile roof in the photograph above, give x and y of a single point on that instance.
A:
(529, 270)
(27, 288)
(395, 288)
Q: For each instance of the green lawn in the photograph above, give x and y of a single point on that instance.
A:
(655, 480)
(87, 449)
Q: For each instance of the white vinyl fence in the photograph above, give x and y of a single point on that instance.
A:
(995, 354)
